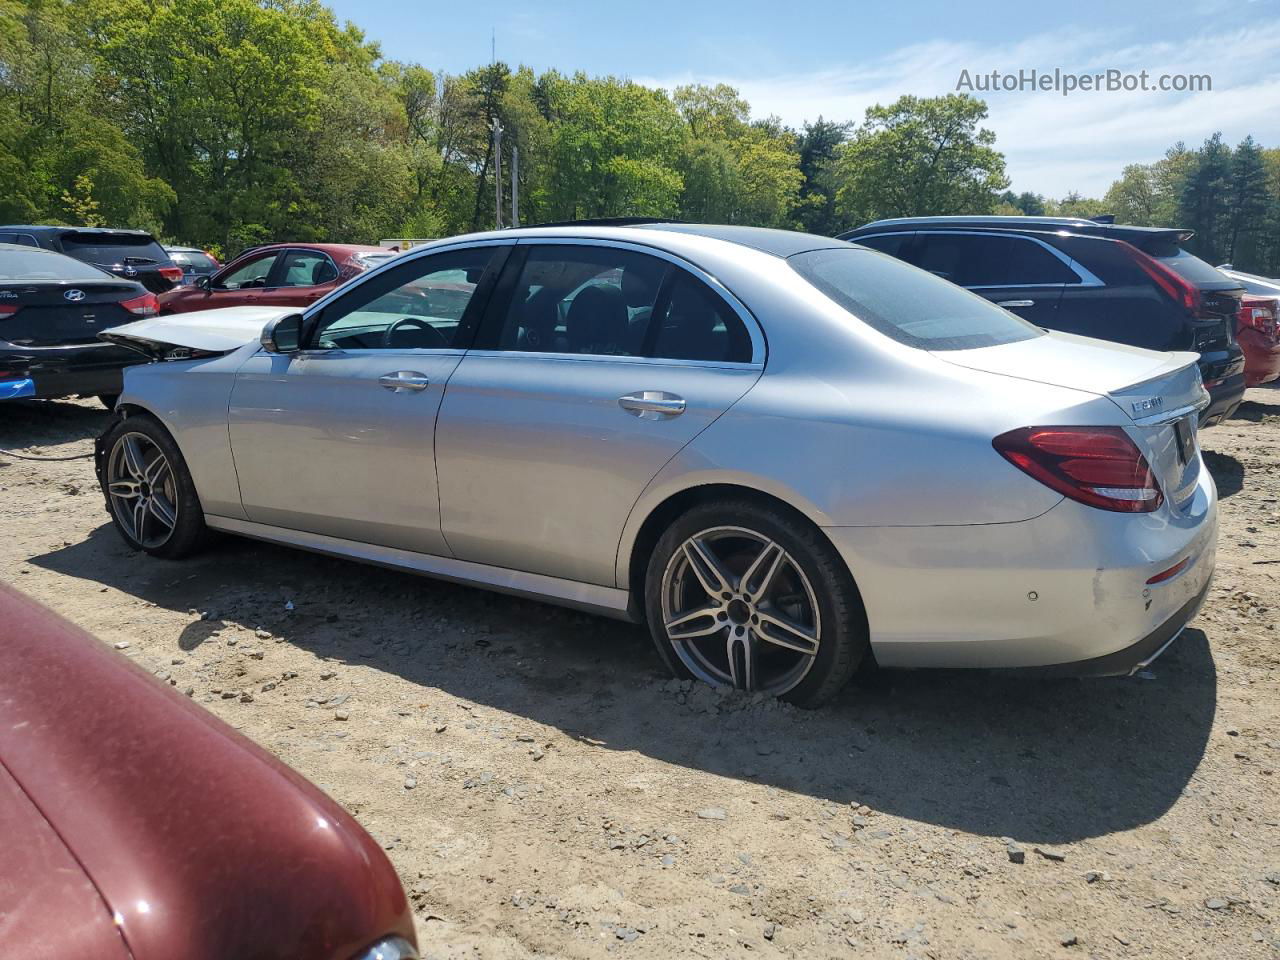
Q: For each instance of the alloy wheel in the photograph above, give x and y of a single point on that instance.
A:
(738, 610)
(142, 490)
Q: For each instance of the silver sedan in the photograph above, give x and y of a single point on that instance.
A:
(789, 455)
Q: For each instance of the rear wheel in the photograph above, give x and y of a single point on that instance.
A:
(747, 595)
(149, 490)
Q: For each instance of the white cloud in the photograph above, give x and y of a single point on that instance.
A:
(1054, 144)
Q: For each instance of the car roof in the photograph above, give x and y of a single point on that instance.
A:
(1078, 225)
(329, 248)
(51, 228)
(779, 243)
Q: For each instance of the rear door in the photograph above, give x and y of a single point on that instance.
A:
(597, 363)
(299, 278)
(1022, 274)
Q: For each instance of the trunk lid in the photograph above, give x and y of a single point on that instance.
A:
(1160, 394)
(47, 314)
(203, 331)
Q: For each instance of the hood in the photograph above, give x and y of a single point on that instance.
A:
(45, 898)
(202, 331)
(201, 844)
(1144, 383)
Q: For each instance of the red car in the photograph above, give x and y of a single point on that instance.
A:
(276, 275)
(136, 826)
(1259, 338)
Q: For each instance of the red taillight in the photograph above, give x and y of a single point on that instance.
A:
(1259, 314)
(1099, 466)
(1177, 287)
(8, 309)
(173, 274)
(144, 306)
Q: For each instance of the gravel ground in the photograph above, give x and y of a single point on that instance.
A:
(545, 791)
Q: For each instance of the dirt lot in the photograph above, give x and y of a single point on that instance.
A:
(545, 792)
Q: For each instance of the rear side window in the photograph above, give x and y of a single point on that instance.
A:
(111, 248)
(697, 324)
(907, 304)
(893, 244)
(306, 268)
(990, 261)
(37, 265)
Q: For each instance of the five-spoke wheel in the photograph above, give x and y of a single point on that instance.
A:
(747, 595)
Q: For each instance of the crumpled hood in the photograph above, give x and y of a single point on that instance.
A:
(209, 331)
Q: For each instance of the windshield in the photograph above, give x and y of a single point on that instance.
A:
(197, 261)
(44, 265)
(132, 248)
(908, 304)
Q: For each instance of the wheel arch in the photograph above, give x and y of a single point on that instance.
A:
(634, 552)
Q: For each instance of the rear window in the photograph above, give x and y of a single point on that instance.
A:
(199, 261)
(910, 305)
(1189, 266)
(37, 265)
(114, 248)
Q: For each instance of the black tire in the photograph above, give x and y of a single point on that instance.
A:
(843, 638)
(188, 532)
(108, 400)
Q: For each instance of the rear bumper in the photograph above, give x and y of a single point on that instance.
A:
(1224, 396)
(1068, 589)
(1261, 357)
(62, 371)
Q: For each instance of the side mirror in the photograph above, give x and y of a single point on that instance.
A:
(202, 282)
(282, 335)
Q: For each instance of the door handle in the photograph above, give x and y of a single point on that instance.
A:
(1015, 303)
(652, 404)
(404, 381)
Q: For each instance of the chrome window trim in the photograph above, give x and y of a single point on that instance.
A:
(615, 358)
(1087, 278)
(754, 332)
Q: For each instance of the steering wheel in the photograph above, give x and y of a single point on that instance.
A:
(433, 337)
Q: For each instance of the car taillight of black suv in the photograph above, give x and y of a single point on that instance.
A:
(1126, 284)
(131, 254)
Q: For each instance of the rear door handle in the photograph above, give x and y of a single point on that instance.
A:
(652, 404)
(1015, 303)
(404, 381)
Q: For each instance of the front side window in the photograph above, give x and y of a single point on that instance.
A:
(586, 300)
(248, 276)
(306, 268)
(908, 304)
(419, 305)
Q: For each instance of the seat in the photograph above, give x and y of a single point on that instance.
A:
(597, 322)
(322, 272)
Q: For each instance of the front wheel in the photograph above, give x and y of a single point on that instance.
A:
(747, 595)
(150, 495)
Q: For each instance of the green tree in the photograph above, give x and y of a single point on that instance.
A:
(1201, 200)
(920, 156)
(818, 144)
(1247, 203)
(1135, 198)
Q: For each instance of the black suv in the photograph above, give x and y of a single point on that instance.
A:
(132, 254)
(1132, 285)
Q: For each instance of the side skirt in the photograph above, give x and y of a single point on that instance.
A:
(606, 601)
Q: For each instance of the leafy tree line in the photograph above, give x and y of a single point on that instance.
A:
(1229, 196)
(229, 122)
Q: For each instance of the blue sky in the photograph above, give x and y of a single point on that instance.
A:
(838, 58)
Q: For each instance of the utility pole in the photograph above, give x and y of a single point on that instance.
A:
(497, 172)
(515, 185)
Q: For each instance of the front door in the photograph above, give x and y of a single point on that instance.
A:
(596, 365)
(337, 438)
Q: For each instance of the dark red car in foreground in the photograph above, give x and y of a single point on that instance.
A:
(136, 826)
(276, 275)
